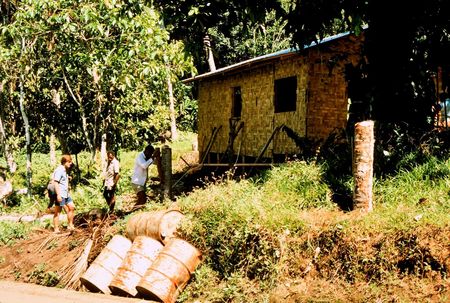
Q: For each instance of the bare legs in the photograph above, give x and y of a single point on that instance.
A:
(70, 211)
(56, 218)
(110, 198)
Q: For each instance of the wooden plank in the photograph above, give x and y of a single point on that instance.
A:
(276, 130)
(211, 142)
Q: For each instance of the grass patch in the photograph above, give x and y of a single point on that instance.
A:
(12, 231)
(255, 233)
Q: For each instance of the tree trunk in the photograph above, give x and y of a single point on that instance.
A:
(103, 155)
(62, 143)
(77, 100)
(86, 133)
(209, 53)
(166, 163)
(56, 98)
(94, 134)
(27, 132)
(12, 166)
(363, 166)
(173, 122)
(52, 150)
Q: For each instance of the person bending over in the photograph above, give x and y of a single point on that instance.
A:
(139, 179)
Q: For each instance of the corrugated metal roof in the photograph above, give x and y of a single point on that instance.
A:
(249, 62)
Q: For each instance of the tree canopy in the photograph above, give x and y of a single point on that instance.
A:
(90, 68)
(190, 21)
(405, 43)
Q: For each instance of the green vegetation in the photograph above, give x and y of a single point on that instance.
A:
(77, 72)
(255, 232)
(12, 231)
(281, 227)
(87, 183)
(42, 277)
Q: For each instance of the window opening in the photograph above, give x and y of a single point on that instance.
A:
(285, 99)
(237, 102)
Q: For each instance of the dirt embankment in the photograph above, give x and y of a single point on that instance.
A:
(45, 258)
(338, 267)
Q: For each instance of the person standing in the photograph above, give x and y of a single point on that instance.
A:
(111, 178)
(140, 173)
(63, 199)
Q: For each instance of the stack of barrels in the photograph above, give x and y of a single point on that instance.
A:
(150, 262)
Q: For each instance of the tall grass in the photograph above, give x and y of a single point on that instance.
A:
(413, 197)
(241, 226)
(273, 200)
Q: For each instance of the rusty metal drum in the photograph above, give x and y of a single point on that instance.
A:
(170, 272)
(159, 225)
(138, 259)
(103, 269)
(158, 287)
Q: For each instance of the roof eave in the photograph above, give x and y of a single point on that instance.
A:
(268, 57)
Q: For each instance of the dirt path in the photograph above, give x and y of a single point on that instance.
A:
(31, 218)
(14, 292)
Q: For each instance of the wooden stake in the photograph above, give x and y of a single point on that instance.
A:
(363, 166)
(167, 170)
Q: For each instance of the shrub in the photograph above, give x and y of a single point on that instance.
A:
(39, 276)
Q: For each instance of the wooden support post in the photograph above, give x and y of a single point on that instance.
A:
(205, 153)
(363, 166)
(166, 159)
(261, 153)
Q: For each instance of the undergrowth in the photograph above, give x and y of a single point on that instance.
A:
(13, 231)
(275, 230)
(255, 233)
